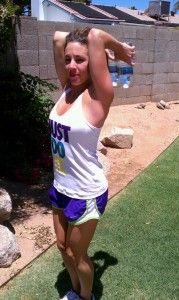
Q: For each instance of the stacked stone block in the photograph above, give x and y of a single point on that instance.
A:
(166, 65)
(27, 45)
(156, 72)
(141, 84)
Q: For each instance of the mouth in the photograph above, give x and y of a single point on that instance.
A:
(74, 77)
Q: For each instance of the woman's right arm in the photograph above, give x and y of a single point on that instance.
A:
(99, 41)
(58, 49)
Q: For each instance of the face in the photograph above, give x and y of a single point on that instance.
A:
(76, 63)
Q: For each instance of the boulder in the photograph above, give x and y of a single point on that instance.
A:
(5, 206)
(9, 248)
(141, 106)
(119, 138)
(165, 104)
(162, 105)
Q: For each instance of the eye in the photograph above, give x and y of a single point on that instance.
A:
(67, 60)
(79, 60)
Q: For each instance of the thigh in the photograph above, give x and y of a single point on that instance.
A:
(60, 226)
(80, 236)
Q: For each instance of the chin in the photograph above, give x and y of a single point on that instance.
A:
(75, 84)
(78, 83)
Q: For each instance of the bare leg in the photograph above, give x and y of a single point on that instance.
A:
(78, 240)
(61, 227)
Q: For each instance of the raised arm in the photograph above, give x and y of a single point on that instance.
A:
(100, 40)
(58, 48)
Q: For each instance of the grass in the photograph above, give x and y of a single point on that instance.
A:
(135, 249)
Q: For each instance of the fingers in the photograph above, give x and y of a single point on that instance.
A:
(132, 55)
(110, 54)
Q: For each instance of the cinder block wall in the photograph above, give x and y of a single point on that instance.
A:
(156, 72)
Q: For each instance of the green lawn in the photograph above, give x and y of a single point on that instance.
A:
(135, 249)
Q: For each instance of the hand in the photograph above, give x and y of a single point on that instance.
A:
(125, 53)
(110, 54)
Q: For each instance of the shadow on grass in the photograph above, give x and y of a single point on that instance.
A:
(101, 260)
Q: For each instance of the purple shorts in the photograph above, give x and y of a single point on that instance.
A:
(78, 211)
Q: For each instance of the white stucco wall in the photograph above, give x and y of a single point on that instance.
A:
(45, 11)
(37, 9)
(54, 13)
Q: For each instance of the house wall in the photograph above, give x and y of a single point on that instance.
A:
(156, 72)
(55, 14)
(37, 9)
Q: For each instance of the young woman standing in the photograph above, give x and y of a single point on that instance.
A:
(80, 190)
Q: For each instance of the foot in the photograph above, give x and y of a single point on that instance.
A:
(70, 295)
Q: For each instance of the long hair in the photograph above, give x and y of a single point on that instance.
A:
(78, 35)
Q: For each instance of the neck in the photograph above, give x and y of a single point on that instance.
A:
(80, 88)
(75, 92)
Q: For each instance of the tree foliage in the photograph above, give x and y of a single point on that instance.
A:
(24, 6)
(133, 8)
(14, 7)
(7, 11)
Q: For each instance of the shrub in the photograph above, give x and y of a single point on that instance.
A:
(24, 110)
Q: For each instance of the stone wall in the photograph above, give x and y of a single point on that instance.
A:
(156, 73)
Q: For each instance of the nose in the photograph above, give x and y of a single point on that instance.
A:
(72, 64)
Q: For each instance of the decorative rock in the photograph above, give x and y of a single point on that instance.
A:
(5, 205)
(119, 138)
(141, 106)
(101, 148)
(9, 249)
(165, 104)
(162, 102)
(104, 161)
(160, 106)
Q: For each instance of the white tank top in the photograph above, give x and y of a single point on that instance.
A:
(77, 171)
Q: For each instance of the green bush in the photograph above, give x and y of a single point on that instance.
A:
(24, 110)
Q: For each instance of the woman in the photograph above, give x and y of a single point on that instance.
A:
(80, 189)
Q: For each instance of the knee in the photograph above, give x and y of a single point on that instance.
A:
(78, 258)
(69, 252)
(65, 250)
(61, 246)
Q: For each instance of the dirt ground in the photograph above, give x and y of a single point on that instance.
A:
(154, 130)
